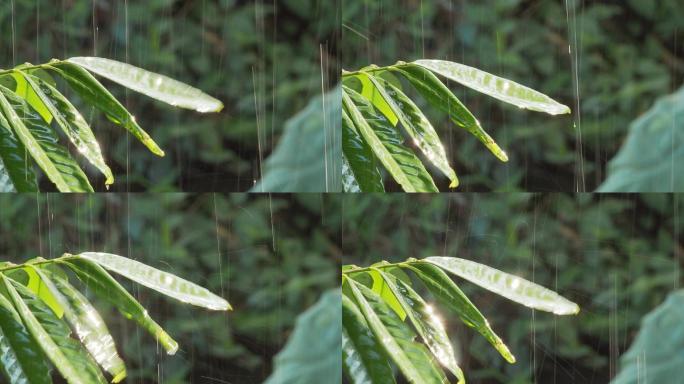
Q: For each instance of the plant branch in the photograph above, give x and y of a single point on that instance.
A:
(372, 69)
(64, 257)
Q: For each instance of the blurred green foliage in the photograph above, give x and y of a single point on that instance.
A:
(271, 257)
(263, 59)
(616, 256)
(611, 58)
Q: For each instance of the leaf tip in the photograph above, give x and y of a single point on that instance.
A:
(454, 183)
(120, 376)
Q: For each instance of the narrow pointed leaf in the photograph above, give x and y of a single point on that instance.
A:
(163, 282)
(94, 93)
(494, 86)
(72, 123)
(362, 356)
(362, 164)
(21, 360)
(387, 293)
(53, 336)
(396, 337)
(426, 322)
(105, 287)
(15, 161)
(387, 144)
(43, 144)
(154, 85)
(417, 126)
(451, 296)
(438, 95)
(509, 286)
(86, 323)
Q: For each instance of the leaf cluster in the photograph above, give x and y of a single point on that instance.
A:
(31, 109)
(373, 110)
(388, 324)
(46, 323)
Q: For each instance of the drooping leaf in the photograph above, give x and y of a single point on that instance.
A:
(451, 296)
(37, 285)
(72, 123)
(163, 282)
(396, 337)
(104, 286)
(15, 161)
(385, 291)
(363, 359)
(21, 360)
(387, 144)
(509, 286)
(417, 126)
(651, 156)
(311, 354)
(438, 95)
(95, 94)
(53, 336)
(43, 144)
(86, 323)
(494, 86)
(359, 159)
(426, 322)
(154, 85)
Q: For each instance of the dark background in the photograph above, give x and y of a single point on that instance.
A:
(624, 55)
(263, 59)
(617, 257)
(270, 257)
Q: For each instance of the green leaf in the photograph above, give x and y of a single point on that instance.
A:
(509, 286)
(651, 156)
(438, 95)
(372, 94)
(656, 353)
(426, 322)
(104, 286)
(72, 123)
(28, 93)
(311, 354)
(416, 125)
(21, 359)
(151, 84)
(43, 144)
(53, 336)
(311, 164)
(359, 159)
(92, 92)
(163, 282)
(85, 321)
(387, 144)
(386, 292)
(396, 337)
(37, 285)
(17, 169)
(451, 296)
(363, 359)
(494, 86)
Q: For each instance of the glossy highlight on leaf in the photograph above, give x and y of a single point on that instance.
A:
(166, 283)
(509, 286)
(494, 86)
(154, 85)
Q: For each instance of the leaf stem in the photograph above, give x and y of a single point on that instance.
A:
(66, 256)
(407, 263)
(374, 69)
(29, 67)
